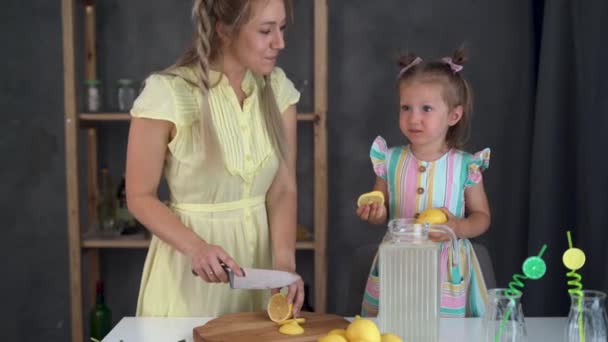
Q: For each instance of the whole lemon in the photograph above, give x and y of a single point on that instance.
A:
(332, 338)
(363, 329)
(432, 216)
(341, 332)
(388, 337)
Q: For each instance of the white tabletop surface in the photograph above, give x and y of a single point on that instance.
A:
(154, 329)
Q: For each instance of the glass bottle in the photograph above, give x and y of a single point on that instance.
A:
(409, 267)
(588, 312)
(106, 203)
(92, 95)
(125, 222)
(101, 316)
(126, 94)
(503, 319)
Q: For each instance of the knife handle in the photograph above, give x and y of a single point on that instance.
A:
(224, 266)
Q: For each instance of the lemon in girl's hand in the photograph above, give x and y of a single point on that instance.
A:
(432, 216)
(371, 197)
(363, 329)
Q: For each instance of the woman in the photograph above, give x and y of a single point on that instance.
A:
(221, 125)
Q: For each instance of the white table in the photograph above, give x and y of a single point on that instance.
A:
(153, 329)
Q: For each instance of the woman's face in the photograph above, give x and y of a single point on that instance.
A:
(259, 41)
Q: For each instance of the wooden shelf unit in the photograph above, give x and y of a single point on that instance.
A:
(80, 246)
(144, 242)
(105, 117)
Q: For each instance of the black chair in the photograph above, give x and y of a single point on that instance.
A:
(362, 262)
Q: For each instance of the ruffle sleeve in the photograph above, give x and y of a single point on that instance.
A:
(478, 163)
(377, 154)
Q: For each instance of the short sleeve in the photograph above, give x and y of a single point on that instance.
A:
(378, 154)
(478, 163)
(156, 100)
(284, 91)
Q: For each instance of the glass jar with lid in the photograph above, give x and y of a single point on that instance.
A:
(126, 94)
(92, 98)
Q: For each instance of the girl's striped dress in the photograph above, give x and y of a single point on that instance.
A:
(415, 185)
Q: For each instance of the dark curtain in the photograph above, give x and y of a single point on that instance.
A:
(568, 166)
(538, 71)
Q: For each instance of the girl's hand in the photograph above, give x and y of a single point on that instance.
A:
(373, 213)
(206, 261)
(295, 295)
(452, 222)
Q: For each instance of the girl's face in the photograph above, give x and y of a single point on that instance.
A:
(424, 116)
(259, 41)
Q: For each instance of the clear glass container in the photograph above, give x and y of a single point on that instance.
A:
(92, 99)
(126, 94)
(503, 320)
(409, 267)
(106, 204)
(587, 319)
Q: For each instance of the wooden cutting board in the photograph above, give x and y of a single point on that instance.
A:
(256, 326)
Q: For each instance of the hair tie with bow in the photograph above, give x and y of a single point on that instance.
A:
(455, 67)
(416, 61)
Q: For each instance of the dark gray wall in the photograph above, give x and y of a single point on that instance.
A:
(138, 37)
(34, 292)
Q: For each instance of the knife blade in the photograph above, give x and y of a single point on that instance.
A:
(260, 279)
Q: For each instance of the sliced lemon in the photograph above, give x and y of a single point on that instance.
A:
(300, 320)
(291, 328)
(371, 197)
(278, 308)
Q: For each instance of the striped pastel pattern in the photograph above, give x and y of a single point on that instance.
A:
(444, 181)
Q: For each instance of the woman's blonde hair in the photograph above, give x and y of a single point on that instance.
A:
(207, 47)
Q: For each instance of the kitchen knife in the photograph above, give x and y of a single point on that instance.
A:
(259, 278)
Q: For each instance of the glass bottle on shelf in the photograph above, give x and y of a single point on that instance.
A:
(92, 95)
(125, 222)
(126, 94)
(101, 315)
(106, 204)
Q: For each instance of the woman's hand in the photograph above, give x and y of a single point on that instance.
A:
(206, 260)
(295, 295)
(374, 213)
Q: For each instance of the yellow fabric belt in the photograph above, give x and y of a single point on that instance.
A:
(223, 206)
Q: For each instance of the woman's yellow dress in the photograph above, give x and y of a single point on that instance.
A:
(226, 208)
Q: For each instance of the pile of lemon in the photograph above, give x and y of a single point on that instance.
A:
(359, 330)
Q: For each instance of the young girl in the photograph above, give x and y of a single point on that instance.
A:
(434, 109)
